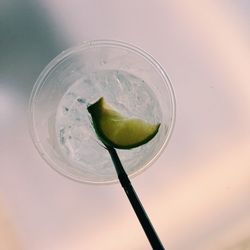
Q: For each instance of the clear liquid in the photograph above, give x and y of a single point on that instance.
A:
(76, 138)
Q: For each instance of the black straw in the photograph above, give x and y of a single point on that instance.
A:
(135, 202)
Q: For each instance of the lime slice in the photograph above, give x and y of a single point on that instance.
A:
(117, 131)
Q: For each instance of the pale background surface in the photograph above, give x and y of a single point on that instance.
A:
(198, 193)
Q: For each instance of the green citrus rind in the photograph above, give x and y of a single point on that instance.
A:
(117, 131)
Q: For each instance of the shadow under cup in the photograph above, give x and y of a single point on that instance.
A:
(111, 69)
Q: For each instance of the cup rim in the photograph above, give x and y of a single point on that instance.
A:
(63, 56)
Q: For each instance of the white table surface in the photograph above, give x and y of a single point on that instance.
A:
(197, 194)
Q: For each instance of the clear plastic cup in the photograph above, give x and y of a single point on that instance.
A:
(128, 77)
